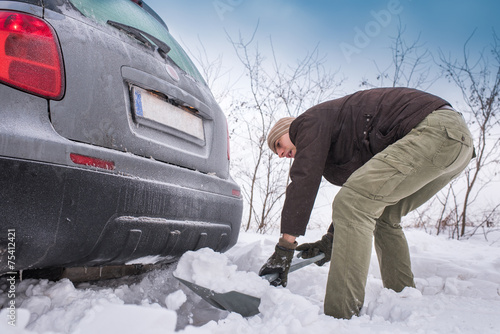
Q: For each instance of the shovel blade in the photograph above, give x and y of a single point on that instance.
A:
(232, 301)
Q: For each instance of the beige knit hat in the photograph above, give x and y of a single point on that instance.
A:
(279, 129)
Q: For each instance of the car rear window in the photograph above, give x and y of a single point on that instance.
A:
(140, 17)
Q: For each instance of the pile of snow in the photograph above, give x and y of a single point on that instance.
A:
(458, 291)
(198, 267)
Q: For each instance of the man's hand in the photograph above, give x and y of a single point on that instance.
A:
(321, 246)
(279, 262)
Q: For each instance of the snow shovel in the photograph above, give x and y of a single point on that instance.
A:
(239, 302)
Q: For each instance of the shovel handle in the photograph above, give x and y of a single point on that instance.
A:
(296, 265)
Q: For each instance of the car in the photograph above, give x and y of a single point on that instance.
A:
(113, 150)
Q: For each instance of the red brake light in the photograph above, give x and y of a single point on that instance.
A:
(30, 57)
(91, 161)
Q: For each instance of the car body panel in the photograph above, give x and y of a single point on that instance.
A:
(111, 124)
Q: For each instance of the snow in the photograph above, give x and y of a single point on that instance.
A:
(457, 291)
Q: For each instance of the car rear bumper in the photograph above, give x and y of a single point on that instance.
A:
(71, 216)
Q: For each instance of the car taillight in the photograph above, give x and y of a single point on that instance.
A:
(30, 57)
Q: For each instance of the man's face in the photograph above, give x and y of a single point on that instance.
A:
(284, 147)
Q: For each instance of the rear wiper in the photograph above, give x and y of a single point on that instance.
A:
(143, 37)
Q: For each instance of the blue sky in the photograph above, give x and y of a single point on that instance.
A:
(352, 34)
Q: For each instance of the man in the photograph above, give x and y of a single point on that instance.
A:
(390, 150)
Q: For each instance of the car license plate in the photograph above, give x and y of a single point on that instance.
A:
(150, 106)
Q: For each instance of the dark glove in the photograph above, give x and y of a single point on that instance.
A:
(279, 263)
(321, 246)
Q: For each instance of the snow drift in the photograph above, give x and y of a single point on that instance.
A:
(458, 291)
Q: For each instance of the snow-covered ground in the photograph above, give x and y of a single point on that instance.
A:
(458, 291)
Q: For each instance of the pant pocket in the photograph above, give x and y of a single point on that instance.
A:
(380, 176)
(400, 170)
(450, 150)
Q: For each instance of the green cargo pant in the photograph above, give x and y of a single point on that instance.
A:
(372, 201)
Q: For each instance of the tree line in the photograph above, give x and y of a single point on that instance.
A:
(274, 89)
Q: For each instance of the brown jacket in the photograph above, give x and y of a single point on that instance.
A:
(336, 137)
